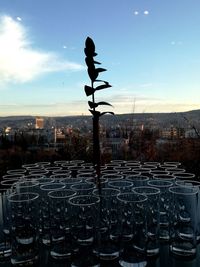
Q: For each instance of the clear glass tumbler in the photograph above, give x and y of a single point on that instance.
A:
(84, 228)
(153, 218)
(61, 246)
(183, 223)
(24, 231)
(133, 229)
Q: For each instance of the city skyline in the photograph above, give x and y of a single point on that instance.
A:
(150, 51)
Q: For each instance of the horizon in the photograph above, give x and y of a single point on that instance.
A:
(89, 115)
(150, 51)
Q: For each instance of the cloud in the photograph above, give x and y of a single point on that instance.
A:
(19, 61)
(19, 18)
(121, 105)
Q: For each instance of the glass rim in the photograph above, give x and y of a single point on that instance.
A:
(13, 176)
(33, 183)
(186, 174)
(50, 194)
(48, 180)
(172, 190)
(14, 195)
(129, 183)
(84, 197)
(145, 198)
(107, 189)
(8, 181)
(172, 163)
(42, 187)
(157, 190)
(187, 181)
(138, 177)
(165, 183)
(72, 180)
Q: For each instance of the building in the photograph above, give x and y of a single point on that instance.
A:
(39, 123)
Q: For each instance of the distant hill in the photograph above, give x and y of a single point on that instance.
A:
(181, 119)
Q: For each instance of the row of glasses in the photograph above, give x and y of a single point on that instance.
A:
(56, 241)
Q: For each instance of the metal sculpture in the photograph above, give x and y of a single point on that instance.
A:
(93, 73)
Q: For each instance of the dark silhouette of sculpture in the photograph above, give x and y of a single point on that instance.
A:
(93, 73)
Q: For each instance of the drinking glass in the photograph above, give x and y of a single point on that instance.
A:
(59, 177)
(122, 169)
(158, 172)
(86, 175)
(8, 183)
(68, 182)
(60, 214)
(83, 188)
(165, 177)
(183, 176)
(74, 170)
(26, 186)
(27, 166)
(143, 171)
(175, 170)
(24, 232)
(118, 161)
(34, 176)
(5, 244)
(77, 161)
(153, 217)
(183, 224)
(165, 205)
(84, 223)
(44, 211)
(59, 163)
(111, 172)
(175, 163)
(103, 181)
(139, 180)
(18, 176)
(133, 165)
(193, 183)
(152, 163)
(16, 171)
(108, 246)
(133, 237)
(52, 169)
(121, 185)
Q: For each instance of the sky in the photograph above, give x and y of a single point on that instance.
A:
(150, 48)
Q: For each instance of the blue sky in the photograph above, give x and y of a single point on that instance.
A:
(150, 48)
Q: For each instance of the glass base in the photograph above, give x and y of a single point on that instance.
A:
(5, 250)
(107, 253)
(24, 261)
(60, 252)
(184, 250)
(125, 263)
(153, 252)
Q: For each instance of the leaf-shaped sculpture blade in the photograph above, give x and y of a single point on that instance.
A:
(95, 113)
(89, 90)
(103, 86)
(90, 61)
(90, 47)
(100, 70)
(95, 105)
(93, 74)
(107, 112)
(89, 44)
(88, 53)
